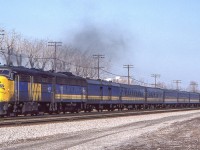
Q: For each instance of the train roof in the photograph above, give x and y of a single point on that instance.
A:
(24, 70)
(101, 82)
(194, 93)
(183, 92)
(178, 91)
(40, 72)
(133, 86)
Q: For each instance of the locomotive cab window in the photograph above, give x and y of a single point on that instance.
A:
(5, 72)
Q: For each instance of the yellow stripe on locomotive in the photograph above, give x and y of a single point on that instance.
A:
(94, 97)
(6, 89)
(70, 97)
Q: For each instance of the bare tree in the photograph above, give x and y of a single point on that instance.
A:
(31, 49)
(65, 58)
(10, 39)
(85, 65)
(18, 51)
(44, 54)
(162, 85)
(78, 62)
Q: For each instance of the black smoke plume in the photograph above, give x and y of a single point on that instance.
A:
(112, 42)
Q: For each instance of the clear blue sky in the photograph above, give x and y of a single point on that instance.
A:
(160, 36)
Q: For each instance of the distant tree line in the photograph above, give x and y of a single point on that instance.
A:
(35, 53)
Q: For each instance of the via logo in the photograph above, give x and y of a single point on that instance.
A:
(83, 91)
(49, 89)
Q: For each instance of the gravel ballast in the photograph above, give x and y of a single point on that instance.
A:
(111, 133)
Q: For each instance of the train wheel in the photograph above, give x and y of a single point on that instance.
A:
(15, 114)
(78, 110)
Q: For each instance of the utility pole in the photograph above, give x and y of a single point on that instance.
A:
(53, 106)
(177, 83)
(1, 34)
(1, 41)
(193, 85)
(128, 67)
(155, 76)
(9, 49)
(98, 56)
(55, 45)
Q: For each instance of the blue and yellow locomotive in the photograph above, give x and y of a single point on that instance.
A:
(24, 91)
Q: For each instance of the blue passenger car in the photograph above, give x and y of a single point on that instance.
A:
(183, 97)
(154, 95)
(170, 96)
(194, 98)
(102, 94)
(132, 94)
(94, 91)
(99, 91)
(70, 93)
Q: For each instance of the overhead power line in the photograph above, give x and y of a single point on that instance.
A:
(124, 76)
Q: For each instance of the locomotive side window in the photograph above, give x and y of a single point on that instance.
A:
(24, 78)
(37, 79)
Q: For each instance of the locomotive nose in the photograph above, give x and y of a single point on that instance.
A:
(3, 92)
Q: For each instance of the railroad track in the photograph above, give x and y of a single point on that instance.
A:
(30, 120)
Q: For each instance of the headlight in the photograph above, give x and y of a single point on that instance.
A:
(2, 86)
